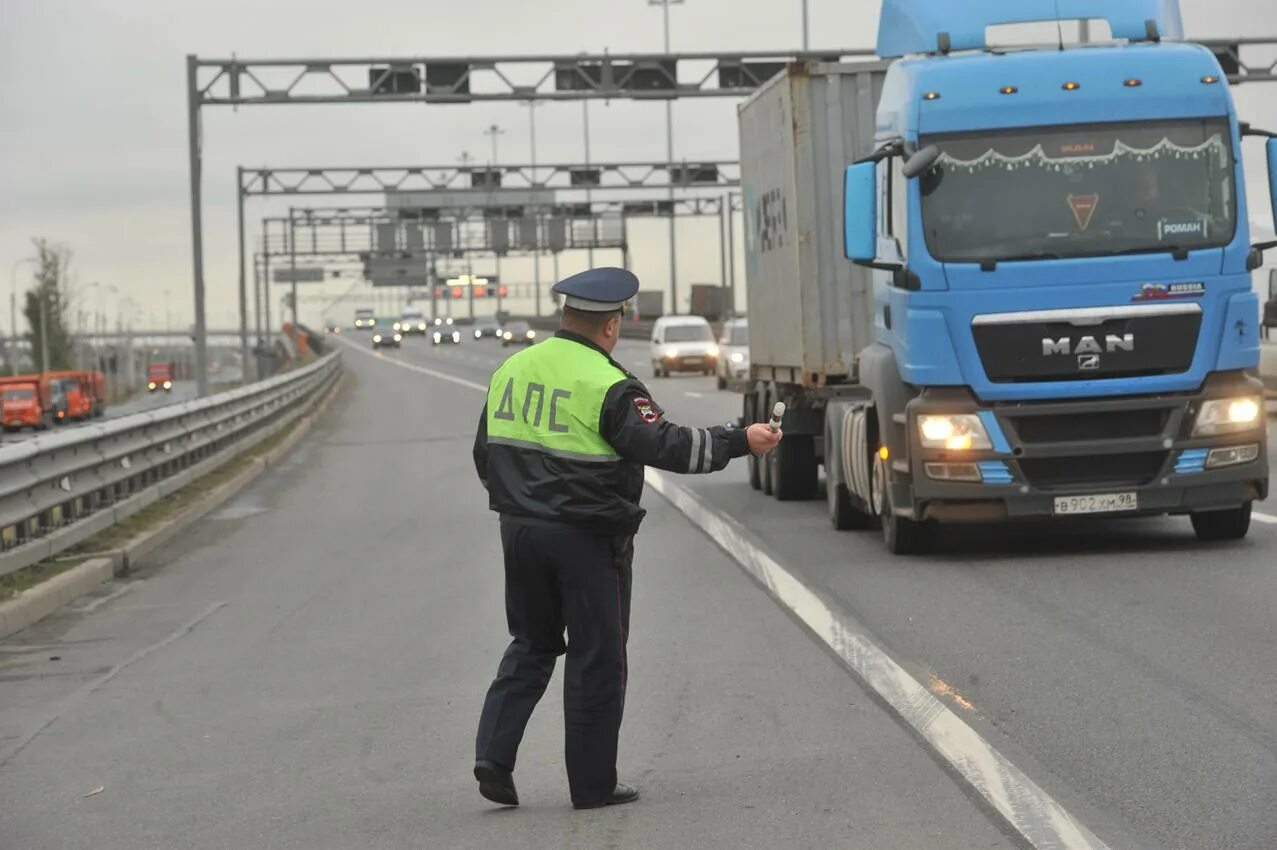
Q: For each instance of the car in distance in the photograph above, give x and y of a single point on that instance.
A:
(517, 333)
(446, 334)
(331, 327)
(365, 319)
(487, 327)
(386, 339)
(412, 322)
(733, 352)
(683, 344)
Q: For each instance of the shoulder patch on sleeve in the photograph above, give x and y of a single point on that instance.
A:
(647, 409)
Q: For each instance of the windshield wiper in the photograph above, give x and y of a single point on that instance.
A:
(992, 264)
(1178, 252)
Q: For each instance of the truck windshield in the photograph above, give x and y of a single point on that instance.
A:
(15, 395)
(1046, 193)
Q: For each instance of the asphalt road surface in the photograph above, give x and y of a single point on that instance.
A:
(305, 668)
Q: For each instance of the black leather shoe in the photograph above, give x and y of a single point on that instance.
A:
(496, 783)
(620, 795)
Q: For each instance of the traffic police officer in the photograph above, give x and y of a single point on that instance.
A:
(561, 448)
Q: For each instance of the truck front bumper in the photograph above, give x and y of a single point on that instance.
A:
(1102, 457)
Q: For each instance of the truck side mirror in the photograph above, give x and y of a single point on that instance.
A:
(1272, 177)
(860, 212)
(920, 162)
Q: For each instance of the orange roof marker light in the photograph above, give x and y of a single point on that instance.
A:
(1008, 89)
(1072, 86)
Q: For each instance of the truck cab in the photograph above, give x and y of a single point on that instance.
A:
(159, 376)
(1063, 313)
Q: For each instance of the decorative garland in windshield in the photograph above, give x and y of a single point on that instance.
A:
(1037, 156)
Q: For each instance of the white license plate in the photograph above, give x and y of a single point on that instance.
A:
(1104, 503)
(693, 361)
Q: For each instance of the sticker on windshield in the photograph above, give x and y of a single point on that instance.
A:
(1164, 292)
(1179, 229)
(1083, 207)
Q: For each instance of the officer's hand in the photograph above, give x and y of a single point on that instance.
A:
(762, 439)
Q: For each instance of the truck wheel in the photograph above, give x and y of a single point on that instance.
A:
(901, 535)
(1231, 524)
(794, 468)
(843, 514)
(755, 465)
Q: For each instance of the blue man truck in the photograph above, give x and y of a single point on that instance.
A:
(997, 284)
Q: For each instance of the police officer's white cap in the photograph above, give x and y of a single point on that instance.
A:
(604, 290)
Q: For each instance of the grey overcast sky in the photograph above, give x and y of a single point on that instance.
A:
(93, 132)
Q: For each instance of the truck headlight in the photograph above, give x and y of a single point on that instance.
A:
(957, 432)
(532, 334)
(456, 337)
(738, 358)
(438, 337)
(712, 351)
(398, 337)
(376, 337)
(1228, 416)
(671, 353)
(151, 385)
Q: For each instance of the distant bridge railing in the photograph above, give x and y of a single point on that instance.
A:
(59, 489)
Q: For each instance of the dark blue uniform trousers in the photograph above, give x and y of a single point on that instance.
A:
(559, 578)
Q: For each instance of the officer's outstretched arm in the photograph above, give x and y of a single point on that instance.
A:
(636, 427)
(481, 448)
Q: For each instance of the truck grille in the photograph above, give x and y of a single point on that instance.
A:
(1093, 471)
(1119, 342)
(1089, 427)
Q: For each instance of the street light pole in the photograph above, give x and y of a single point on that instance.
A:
(669, 158)
(13, 312)
(197, 230)
(494, 131)
(585, 119)
(243, 283)
(44, 330)
(806, 31)
(536, 216)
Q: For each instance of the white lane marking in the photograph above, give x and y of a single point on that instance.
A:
(1027, 808)
(443, 376)
(694, 395)
(1264, 518)
(88, 688)
(98, 603)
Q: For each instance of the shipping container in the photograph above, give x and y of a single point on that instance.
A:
(810, 311)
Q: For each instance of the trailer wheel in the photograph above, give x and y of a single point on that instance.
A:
(755, 465)
(1231, 524)
(794, 468)
(901, 535)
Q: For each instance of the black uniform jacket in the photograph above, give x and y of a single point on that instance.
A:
(602, 498)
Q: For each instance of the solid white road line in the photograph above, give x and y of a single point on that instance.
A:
(1264, 518)
(443, 376)
(1029, 810)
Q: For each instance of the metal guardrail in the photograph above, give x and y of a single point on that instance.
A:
(57, 490)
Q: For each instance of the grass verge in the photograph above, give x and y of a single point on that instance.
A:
(28, 577)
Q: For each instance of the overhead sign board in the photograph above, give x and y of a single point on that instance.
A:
(302, 274)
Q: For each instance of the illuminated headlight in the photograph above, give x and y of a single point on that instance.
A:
(738, 358)
(398, 337)
(959, 432)
(422, 327)
(478, 334)
(532, 334)
(671, 353)
(151, 385)
(168, 385)
(395, 326)
(507, 335)
(456, 337)
(1228, 416)
(712, 351)
(438, 337)
(376, 338)
(448, 321)
(1232, 456)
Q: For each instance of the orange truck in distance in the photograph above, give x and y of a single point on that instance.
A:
(85, 392)
(30, 401)
(159, 376)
